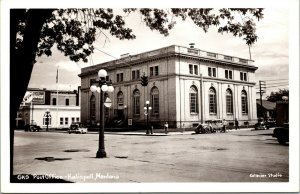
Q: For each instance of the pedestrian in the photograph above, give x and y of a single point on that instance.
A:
(224, 123)
(236, 123)
(210, 127)
(166, 127)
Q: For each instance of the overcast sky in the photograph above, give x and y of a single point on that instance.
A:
(270, 52)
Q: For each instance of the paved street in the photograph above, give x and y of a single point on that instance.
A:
(237, 156)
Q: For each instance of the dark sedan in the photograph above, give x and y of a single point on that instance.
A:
(282, 133)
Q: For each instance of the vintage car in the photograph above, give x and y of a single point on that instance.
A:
(202, 128)
(270, 123)
(216, 125)
(78, 128)
(33, 127)
(261, 126)
(282, 133)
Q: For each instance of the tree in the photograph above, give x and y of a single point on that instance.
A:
(33, 32)
(277, 96)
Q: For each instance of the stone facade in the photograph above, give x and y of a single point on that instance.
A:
(186, 86)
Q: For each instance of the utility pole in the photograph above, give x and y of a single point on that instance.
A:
(262, 89)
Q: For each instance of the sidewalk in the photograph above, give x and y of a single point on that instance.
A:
(143, 133)
(171, 133)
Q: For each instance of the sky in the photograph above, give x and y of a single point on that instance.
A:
(270, 52)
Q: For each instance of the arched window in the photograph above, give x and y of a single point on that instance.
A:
(120, 98)
(193, 99)
(93, 108)
(136, 102)
(45, 119)
(212, 101)
(229, 102)
(155, 100)
(244, 102)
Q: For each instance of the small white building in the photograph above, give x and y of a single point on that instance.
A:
(63, 107)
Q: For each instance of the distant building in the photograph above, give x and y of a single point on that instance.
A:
(62, 105)
(267, 110)
(186, 86)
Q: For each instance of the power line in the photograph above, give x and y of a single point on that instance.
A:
(275, 80)
(106, 53)
(283, 84)
(112, 56)
(277, 86)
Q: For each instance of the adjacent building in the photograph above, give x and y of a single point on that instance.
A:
(267, 109)
(186, 86)
(62, 105)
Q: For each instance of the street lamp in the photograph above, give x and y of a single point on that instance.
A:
(147, 108)
(47, 118)
(102, 86)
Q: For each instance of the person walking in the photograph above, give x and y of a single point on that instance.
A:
(236, 123)
(166, 127)
(224, 123)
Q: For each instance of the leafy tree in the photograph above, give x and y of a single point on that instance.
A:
(277, 96)
(33, 32)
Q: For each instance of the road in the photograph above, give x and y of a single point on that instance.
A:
(237, 156)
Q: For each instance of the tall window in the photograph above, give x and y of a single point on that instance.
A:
(228, 74)
(193, 100)
(229, 103)
(119, 77)
(61, 121)
(196, 69)
(212, 101)
(53, 101)
(191, 69)
(93, 108)
(136, 102)
(135, 74)
(155, 100)
(67, 102)
(151, 71)
(120, 98)
(244, 102)
(212, 72)
(243, 76)
(154, 71)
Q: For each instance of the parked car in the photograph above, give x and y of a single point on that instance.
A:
(282, 133)
(261, 126)
(216, 124)
(33, 127)
(270, 123)
(202, 128)
(78, 128)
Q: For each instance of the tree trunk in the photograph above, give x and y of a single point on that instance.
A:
(22, 61)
